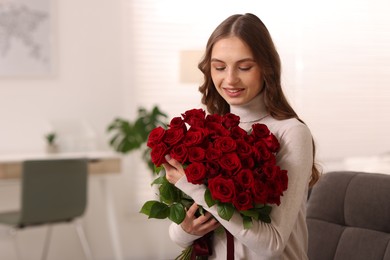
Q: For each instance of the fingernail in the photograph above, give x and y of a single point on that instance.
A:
(167, 157)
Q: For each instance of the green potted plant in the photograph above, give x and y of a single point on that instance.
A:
(128, 136)
(51, 145)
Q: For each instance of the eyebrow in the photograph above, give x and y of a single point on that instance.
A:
(239, 61)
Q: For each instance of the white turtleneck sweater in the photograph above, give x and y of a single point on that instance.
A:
(286, 236)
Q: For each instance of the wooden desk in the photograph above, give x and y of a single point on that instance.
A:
(99, 163)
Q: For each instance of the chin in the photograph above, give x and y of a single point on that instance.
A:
(235, 102)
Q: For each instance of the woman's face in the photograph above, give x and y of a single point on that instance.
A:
(235, 74)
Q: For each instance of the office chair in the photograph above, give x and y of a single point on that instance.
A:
(52, 191)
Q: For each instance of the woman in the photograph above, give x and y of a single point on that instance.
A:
(242, 74)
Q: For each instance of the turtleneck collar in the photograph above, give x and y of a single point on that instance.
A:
(253, 110)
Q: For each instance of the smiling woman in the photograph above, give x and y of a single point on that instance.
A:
(335, 66)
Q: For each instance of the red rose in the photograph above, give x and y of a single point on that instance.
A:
(173, 136)
(230, 162)
(155, 136)
(244, 149)
(179, 153)
(226, 144)
(237, 132)
(157, 154)
(177, 122)
(195, 136)
(272, 143)
(243, 201)
(283, 180)
(260, 130)
(249, 139)
(215, 118)
(213, 154)
(213, 169)
(274, 193)
(261, 151)
(260, 192)
(278, 177)
(195, 173)
(248, 163)
(196, 154)
(194, 117)
(217, 130)
(271, 171)
(271, 160)
(230, 120)
(244, 178)
(222, 189)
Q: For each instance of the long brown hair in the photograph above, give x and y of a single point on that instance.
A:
(250, 29)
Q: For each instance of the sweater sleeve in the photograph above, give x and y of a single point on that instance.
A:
(269, 239)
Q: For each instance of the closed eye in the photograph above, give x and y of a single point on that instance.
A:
(245, 68)
(220, 68)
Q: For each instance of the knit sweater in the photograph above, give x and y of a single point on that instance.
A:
(286, 237)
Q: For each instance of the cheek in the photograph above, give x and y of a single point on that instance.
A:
(217, 83)
(256, 83)
(216, 80)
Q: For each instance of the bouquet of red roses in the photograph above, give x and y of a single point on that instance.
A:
(237, 167)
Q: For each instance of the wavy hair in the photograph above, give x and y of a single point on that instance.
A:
(250, 29)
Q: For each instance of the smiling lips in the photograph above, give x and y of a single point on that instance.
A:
(233, 92)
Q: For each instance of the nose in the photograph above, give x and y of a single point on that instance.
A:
(232, 76)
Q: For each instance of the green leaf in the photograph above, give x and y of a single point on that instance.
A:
(265, 218)
(266, 210)
(259, 206)
(177, 213)
(225, 210)
(186, 202)
(208, 198)
(158, 169)
(159, 210)
(252, 213)
(159, 180)
(200, 211)
(247, 221)
(147, 207)
(168, 193)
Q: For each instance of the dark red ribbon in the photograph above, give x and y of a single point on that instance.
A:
(202, 246)
(230, 245)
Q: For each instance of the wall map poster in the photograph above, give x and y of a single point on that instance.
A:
(25, 38)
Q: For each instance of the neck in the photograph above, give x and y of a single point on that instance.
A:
(251, 112)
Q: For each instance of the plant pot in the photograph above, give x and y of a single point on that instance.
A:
(52, 148)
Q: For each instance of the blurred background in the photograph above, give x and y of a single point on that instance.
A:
(107, 58)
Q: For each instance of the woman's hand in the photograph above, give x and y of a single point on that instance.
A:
(173, 169)
(201, 225)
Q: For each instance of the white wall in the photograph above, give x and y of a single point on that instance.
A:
(86, 85)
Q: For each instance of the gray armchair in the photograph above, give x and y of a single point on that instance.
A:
(348, 217)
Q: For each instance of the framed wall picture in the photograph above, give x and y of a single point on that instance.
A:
(25, 38)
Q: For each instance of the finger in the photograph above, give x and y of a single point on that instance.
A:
(209, 226)
(174, 163)
(213, 225)
(192, 210)
(167, 166)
